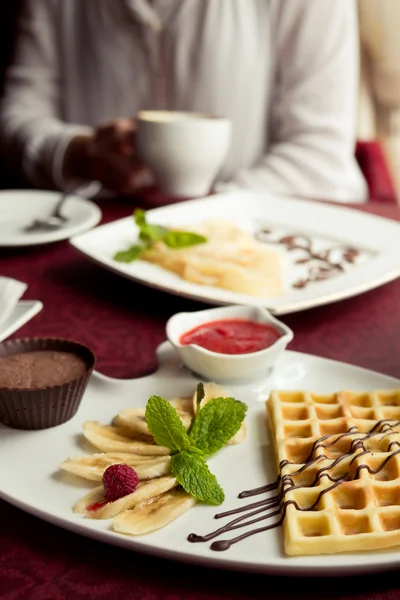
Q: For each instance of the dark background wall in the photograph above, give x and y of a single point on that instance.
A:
(8, 17)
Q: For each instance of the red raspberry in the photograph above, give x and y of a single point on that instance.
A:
(119, 480)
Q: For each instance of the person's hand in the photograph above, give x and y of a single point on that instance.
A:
(109, 156)
(112, 157)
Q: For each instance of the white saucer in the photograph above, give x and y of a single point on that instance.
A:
(23, 312)
(19, 207)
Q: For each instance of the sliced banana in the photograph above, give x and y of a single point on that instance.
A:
(156, 502)
(133, 419)
(111, 438)
(154, 468)
(107, 510)
(213, 390)
(154, 513)
(92, 467)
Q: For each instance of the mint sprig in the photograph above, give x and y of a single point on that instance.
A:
(211, 428)
(150, 234)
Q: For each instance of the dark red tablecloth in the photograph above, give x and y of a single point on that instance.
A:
(124, 323)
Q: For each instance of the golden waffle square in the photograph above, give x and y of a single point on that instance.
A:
(339, 460)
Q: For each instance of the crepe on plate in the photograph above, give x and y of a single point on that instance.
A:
(231, 259)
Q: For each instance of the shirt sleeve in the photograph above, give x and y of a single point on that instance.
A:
(313, 107)
(33, 136)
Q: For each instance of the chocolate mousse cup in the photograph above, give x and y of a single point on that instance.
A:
(42, 381)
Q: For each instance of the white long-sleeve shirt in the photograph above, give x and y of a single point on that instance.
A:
(284, 71)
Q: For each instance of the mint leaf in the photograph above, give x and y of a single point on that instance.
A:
(216, 423)
(192, 472)
(152, 233)
(147, 232)
(182, 239)
(140, 217)
(166, 427)
(128, 255)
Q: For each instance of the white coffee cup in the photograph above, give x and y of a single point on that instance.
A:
(184, 150)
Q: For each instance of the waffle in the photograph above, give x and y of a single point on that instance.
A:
(338, 457)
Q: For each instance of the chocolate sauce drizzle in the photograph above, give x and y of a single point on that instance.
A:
(276, 506)
(322, 265)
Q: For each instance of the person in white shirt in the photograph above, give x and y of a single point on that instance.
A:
(284, 71)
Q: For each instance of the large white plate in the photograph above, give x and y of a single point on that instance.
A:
(18, 208)
(23, 312)
(327, 226)
(39, 488)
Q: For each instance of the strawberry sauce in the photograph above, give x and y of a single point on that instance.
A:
(231, 336)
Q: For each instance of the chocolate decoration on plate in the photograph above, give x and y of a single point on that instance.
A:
(327, 265)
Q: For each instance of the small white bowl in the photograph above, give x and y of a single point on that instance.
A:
(215, 366)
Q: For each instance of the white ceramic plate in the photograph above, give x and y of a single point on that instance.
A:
(328, 227)
(23, 312)
(39, 488)
(18, 208)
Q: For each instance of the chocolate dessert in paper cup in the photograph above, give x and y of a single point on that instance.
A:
(42, 381)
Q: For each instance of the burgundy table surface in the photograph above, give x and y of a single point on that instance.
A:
(124, 323)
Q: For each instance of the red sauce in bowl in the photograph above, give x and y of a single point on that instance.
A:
(231, 336)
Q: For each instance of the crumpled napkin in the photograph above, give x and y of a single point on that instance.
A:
(11, 291)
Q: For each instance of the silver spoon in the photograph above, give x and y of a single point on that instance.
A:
(54, 221)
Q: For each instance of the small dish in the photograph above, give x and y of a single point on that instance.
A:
(82, 214)
(216, 366)
(22, 312)
(42, 381)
